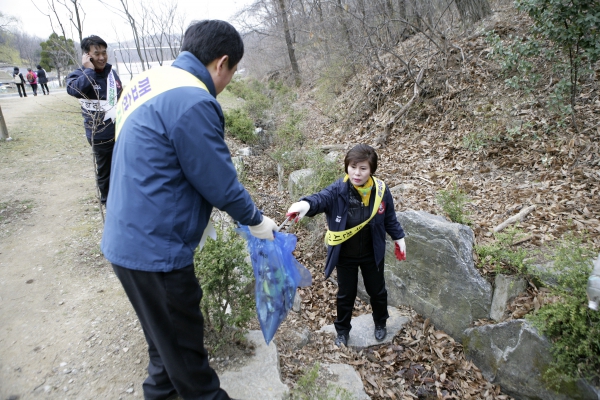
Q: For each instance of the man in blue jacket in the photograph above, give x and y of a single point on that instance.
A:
(98, 87)
(171, 166)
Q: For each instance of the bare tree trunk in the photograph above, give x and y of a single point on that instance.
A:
(136, 36)
(345, 29)
(78, 23)
(473, 10)
(289, 43)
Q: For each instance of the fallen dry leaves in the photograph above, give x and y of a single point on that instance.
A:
(498, 145)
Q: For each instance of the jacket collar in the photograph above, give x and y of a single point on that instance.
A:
(188, 62)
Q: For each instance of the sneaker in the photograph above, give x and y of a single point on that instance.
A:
(380, 333)
(341, 340)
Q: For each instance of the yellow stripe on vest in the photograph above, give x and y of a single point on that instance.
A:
(335, 238)
(150, 84)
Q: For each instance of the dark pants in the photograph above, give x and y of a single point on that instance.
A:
(45, 88)
(347, 277)
(34, 88)
(21, 87)
(168, 307)
(103, 150)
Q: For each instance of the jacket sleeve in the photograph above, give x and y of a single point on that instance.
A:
(392, 226)
(206, 163)
(322, 201)
(80, 82)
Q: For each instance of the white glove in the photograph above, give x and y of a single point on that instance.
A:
(298, 210)
(265, 229)
(400, 249)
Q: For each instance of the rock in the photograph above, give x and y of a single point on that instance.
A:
(438, 279)
(259, 379)
(346, 378)
(280, 176)
(362, 333)
(513, 355)
(298, 182)
(403, 187)
(238, 163)
(332, 157)
(300, 339)
(297, 302)
(244, 151)
(507, 288)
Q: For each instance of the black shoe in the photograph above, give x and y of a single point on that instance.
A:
(380, 332)
(341, 340)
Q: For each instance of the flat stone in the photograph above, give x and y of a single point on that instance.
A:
(506, 289)
(344, 376)
(362, 333)
(260, 378)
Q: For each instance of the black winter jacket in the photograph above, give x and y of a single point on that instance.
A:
(86, 83)
(334, 202)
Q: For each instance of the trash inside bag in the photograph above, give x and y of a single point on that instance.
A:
(278, 274)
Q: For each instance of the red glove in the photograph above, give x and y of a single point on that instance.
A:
(400, 250)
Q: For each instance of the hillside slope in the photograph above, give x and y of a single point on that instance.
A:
(501, 146)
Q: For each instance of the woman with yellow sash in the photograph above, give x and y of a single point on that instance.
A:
(360, 211)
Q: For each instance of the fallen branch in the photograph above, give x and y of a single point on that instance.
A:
(519, 217)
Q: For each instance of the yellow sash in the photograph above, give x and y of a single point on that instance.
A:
(150, 84)
(335, 238)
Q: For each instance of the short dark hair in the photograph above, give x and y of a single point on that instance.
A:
(359, 153)
(208, 40)
(93, 40)
(39, 66)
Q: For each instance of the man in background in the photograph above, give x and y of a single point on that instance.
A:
(171, 166)
(97, 86)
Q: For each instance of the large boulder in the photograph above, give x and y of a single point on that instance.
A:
(438, 279)
(513, 355)
(299, 181)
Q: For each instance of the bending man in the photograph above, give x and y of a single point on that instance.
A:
(171, 166)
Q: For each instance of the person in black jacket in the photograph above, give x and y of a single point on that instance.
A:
(19, 81)
(43, 79)
(98, 87)
(360, 211)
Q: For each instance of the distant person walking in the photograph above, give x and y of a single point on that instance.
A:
(20, 82)
(32, 79)
(43, 79)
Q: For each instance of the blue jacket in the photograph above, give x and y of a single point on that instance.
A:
(170, 167)
(333, 201)
(86, 83)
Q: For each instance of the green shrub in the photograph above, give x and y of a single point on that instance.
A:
(501, 254)
(240, 125)
(288, 134)
(326, 171)
(255, 96)
(224, 276)
(309, 388)
(573, 328)
(453, 202)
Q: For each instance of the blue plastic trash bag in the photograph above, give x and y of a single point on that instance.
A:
(278, 274)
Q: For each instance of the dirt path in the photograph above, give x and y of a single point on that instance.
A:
(66, 328)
